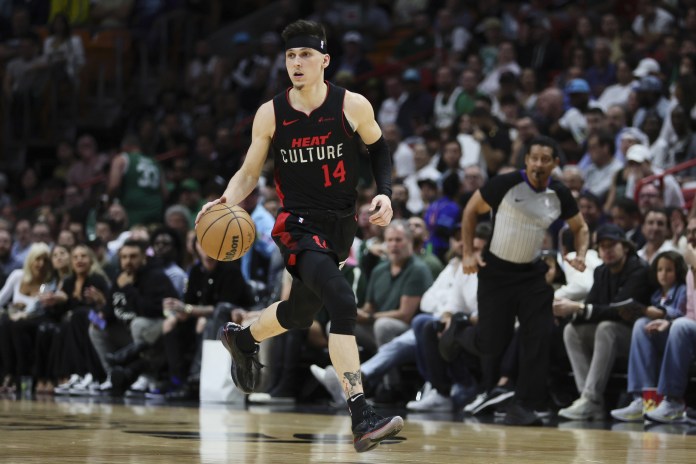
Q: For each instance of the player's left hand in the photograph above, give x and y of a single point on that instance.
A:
(383, 215)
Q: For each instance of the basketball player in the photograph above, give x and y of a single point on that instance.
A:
(313, 130)
(511, 275)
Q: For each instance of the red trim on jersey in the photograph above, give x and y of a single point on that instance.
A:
(279, 190)
(292, 260)
(279, 230)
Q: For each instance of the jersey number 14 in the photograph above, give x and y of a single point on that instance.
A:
(338, 173)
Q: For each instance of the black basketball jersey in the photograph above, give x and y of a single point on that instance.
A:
(316, 156)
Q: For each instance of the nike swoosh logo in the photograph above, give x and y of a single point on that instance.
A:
(287, 123)
(517, 200)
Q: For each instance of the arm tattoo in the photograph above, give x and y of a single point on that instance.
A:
(352, 380)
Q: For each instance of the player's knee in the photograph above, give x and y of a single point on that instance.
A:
(291, 317)
(343, 311)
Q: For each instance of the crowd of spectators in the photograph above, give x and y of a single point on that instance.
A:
(105, 291)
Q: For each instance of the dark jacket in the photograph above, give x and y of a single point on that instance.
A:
(632, 282)
(142, 298)
(225, 283)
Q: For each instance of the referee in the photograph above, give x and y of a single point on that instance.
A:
(511, 274)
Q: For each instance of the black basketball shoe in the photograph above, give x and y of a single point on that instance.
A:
(246, 368)
(373, 429)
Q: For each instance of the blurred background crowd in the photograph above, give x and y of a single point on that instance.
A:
(120, 118)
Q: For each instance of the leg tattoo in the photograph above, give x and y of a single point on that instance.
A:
(350, 381)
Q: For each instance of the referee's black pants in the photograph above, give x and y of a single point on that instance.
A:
(507, 291)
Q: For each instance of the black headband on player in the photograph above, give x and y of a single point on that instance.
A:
(306, 41)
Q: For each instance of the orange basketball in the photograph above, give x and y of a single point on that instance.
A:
(226, 232)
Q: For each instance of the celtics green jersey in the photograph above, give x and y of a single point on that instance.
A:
(141, 195)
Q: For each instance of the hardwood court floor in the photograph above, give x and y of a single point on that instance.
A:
(77, 431)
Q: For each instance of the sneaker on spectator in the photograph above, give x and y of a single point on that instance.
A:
(329, 379)
(106, 387)
(139, 387)
(82, 388)
(431, 401)
(64, 388)
(631, 413)
(478, 401)
(667, 412)
(583, 409)
(496, 397)
(516, 414)
(690, 416)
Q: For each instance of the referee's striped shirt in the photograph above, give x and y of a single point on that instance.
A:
(522, 214)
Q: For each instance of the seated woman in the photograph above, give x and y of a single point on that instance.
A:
(20, 295)
(85, 289)
(42, 334)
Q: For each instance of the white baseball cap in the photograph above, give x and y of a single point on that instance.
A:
(646, 67)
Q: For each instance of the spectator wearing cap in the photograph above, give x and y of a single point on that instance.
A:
(618, 93)
(639, 166)
(353, 59)
(647, 67)
(417, 108)
(650, 98)
(627, 137)
(600, 332)
(571, 128)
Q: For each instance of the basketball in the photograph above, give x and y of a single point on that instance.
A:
(225, 232)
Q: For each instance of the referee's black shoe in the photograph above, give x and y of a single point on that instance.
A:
(246, 368)
(374, 429)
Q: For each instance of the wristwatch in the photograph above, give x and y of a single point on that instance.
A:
(188, 309)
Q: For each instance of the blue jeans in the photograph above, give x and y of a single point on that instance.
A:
(645, 357)
(679, 354)
(398, 351)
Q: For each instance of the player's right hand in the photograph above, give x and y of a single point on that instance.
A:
(210, 204)
(472, 262)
